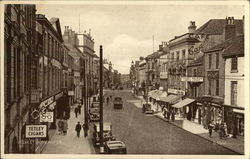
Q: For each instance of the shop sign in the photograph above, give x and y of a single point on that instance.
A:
(176, 91)
(192, 79)
(59, 95)
(238, 111)
(47, 117)
(47, 102)
(71, 93)
(35, 131)
(52, 106)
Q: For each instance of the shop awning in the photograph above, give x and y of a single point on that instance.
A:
(163, 94)
(151, 93)
(170, 99)
(183, 103)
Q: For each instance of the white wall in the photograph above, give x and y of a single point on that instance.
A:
(238, 76)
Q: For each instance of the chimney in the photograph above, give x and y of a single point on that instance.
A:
(230, 29)
(192, 27)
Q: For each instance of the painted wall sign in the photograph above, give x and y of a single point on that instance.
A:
(36, 131)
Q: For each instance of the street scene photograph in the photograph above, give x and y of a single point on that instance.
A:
(124, 79)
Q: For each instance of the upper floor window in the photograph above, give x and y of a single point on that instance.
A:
(217, 87)
(177, 55)
(209, 61)
(172, 56)
(234, 64)
(195, 72)
(183, 54)
(233, 92)
(217, 61)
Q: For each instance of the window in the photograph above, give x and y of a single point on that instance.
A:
(234, 64)
(233, 92)
(195, 72)
(217, 87)
(209, 61)
(172, 56)
(217, 61)
(183, 54)
(209, 86)
(177, 55)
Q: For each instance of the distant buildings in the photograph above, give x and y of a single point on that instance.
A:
(202, 73)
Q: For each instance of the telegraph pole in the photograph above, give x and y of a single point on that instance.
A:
(101, 102)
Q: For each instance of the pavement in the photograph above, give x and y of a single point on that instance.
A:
(234, 144)
(70, 143)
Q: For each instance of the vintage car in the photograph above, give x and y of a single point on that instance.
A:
(115, 147)
(146, 108)
(94, 111)
(118, 103)
(107, 133)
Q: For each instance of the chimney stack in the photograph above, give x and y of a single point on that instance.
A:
(230, 28)
(192, 27)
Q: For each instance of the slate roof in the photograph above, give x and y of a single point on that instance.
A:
(216, 27)
(236, 48)
(154, 55)
(232, 47)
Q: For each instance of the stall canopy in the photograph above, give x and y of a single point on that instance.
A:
(183, 103)
(151, 93)
(170, 99)
(162, 94)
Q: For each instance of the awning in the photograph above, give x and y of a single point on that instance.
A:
(170, 99)
(183, 103)
(151, 93)
(163, 94)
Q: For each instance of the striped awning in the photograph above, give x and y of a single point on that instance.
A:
(183, 103)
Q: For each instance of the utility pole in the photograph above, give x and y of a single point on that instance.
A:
(101, 102)
(85, 97)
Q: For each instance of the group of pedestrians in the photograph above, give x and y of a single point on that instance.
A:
(79, 127)
(168, 113)
(62, 125)
(221, 128)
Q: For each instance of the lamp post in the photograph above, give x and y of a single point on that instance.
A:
(101, 102)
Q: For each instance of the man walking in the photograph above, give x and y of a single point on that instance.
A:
(210, 129)
(78, 129)
(85, 129)
(79, 108)
(76, 111)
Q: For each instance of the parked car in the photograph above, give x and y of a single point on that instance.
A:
(118, 103)
(94, 111)
(146, 108)
(107, 133)
(115, 147)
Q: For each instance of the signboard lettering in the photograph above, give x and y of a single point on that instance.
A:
(36, 131)
(47, 117)
(59, 95)
(47, 102)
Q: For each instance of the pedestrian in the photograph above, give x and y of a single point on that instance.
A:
(210, 129)
(65, 127)
(173, 115)
(79, 108)
(110, 97)
(78, 129)
(76, 111)
(85, 129)
(221, 131)
(59, 125)
(168, 114)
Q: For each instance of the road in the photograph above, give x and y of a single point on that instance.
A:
(146, 134)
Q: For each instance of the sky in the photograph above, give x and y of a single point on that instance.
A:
(127, 32)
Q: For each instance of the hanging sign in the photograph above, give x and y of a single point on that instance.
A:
(36, 131)
(47, 117)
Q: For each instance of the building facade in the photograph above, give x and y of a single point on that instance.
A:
(19, 49)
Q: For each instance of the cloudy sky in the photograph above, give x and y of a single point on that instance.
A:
(126, 31)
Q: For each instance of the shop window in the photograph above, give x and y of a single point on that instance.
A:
(234, 64)
(233, 92)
